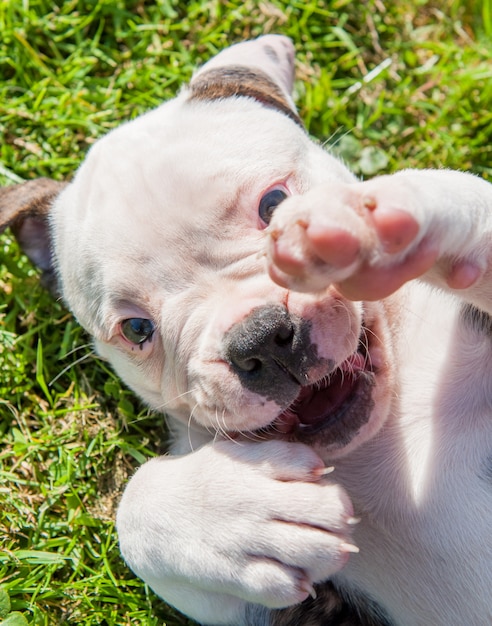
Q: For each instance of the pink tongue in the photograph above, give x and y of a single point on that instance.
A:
(318, 402)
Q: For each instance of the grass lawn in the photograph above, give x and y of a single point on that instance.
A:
(387, 84)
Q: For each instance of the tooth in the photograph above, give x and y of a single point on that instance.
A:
(353, 521)
(327, 470)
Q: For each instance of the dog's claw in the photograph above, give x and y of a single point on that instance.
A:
(349, 547)
(308, 588)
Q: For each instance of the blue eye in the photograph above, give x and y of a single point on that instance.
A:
(269, 202)
(137, 329)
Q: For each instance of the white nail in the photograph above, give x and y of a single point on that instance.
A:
(311, 590)
(349, 547)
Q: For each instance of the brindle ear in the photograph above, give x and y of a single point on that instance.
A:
(25, 208)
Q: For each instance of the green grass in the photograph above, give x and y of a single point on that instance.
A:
(387, 84)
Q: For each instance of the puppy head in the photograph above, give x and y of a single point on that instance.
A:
(158, 243)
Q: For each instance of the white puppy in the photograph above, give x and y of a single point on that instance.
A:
(281, 340)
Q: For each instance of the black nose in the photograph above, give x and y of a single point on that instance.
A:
(271, 352)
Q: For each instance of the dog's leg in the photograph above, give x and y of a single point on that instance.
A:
(228, 525)
(231, 524)
(370, 238)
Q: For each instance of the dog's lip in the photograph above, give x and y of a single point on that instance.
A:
(324, 402)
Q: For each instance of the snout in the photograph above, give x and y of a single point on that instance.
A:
(271, 352)
(299, 367)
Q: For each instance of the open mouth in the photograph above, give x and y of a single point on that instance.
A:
(331, 401)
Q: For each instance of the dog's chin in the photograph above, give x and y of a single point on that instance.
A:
(331, 412)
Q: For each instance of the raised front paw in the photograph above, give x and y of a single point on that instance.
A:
(366, 238)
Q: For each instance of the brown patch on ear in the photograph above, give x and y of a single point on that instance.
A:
(236, 80)
(25, 208)
(32, 198)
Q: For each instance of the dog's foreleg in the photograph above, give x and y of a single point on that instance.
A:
(230, 524)
(369, 238)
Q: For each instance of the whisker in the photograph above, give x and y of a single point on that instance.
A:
(339, 136)
(226, 432)
(365, 332)
(188, 429)
(84, 357)
(219, 429)
(162, 407)
(254, 435)
(84, 346)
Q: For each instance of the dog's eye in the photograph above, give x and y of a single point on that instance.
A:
(269, 202)
(137, 329)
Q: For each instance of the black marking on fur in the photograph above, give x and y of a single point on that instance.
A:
(237, 80)
(479, 321)
(330, 608)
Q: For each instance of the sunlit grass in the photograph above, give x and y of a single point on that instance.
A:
(386, 84)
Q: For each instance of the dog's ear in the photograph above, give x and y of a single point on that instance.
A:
(262, 69)
(25, 208)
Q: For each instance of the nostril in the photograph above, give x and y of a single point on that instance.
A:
(248, 365)
(270, 351)
(284, 336)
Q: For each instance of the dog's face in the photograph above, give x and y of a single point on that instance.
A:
(160, 242)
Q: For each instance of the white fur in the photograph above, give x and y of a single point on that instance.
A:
(161, 222)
